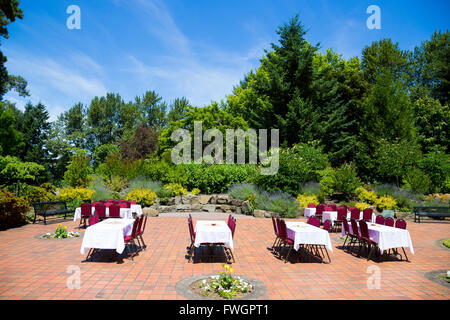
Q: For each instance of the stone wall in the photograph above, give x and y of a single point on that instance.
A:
(207, 203)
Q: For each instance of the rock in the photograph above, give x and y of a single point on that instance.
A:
(223, 199)
(183, 207)
(195, 200)
(150, 212)
(204, 199)
(166, 209)
(225, 207)
(259, 213)
(268, 214)
(213, 199)
(171, 201)
(236, 202)
(209, 207)
(196, 207)
(177, 200)
(245, 207)
(238, 210)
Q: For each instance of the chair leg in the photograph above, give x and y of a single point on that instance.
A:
(143, 243)
(287, 256)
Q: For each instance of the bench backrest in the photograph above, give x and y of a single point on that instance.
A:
(49, 206)
(432, 209)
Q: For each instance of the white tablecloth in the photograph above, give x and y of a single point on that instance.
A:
(387, 237)
(303, 233)
(107, 234)
(124, 212)
(310, 212)
(213, 232)
(332, 216)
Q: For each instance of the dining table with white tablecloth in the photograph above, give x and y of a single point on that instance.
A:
(211, 232)
(107, 234)
(305, 234)
(387, 237)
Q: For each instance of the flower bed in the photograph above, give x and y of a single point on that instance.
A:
(61, 233)
(223, 286)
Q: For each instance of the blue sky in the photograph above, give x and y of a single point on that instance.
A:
(193, 48)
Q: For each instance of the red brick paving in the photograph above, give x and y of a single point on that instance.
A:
(33, 268)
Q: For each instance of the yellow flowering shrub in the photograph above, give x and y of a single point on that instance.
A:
(366, 196)
(145, 197)
(304, 200)
(177, 189)
(195, 191)
(386, 202)
(361, 206)
(69, 194)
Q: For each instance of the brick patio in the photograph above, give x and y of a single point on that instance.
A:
(33, 268)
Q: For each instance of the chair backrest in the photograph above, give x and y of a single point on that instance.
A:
(139, 228)
(333, 206)
(346, 228)
(400, 223)
(329, 208)
(351, 208)
(326, 225)
(123, 204)
(229, 221)
(320, 208)
(364, 229)
(274, 226)
(135, 230)
(314, 222)
(341, 214)
(86, 209)
(132, 201)
(379, 219)
(102, 201)
(367, 214)
(93, 220)
(389, 222)
(114, 211)
(233, 226)
(355, 213)
(354, 227)
(191, 230)
(311, 205)
(100, 210)
(144, 216)
(282, 230)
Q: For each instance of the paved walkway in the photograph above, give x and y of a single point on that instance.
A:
(33, 268)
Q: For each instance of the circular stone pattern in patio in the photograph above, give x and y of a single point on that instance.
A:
(183, 288)
(437, 276)
(43, 237)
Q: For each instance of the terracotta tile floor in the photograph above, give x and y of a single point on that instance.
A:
(33, 268)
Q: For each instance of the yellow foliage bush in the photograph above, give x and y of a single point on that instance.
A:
(386, 202)
(144, 197)
(82, 194)
(195, 191)
(366, 196)
(177, 189)
(304, 200)
(361, 206)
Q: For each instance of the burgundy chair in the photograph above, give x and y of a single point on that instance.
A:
(327, 225)
(229, 221)
(400, 223)
(277, 237)
(341, 216)
(132, 202)
(343, 206)
(285, 239)
(100, 210)
(132, 237)
(328, 208)
(108, 204)
(86, 212)
(355, 234)
(192, 237)
(355, 214)
(314, 222)
(233, 226)
(93, 220)
(123, 204)
(114, 211)
(311, 205)
(141, 230)
(319, 210)
(379, 219)
(351, 208)
(347, 233)
(365, 238)
(367, 215)
(333, 207)
(389, 222)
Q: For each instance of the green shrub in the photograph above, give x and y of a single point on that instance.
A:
(116, 183)
(12, 210)
(78, 170)
(304, 200)
(417, 181)
(101, 193)
(310, 188)
(144, 197)
(242, 191)
(346, 180)
(327, 179)
(176, 189)
(297, 165)
(436, 165)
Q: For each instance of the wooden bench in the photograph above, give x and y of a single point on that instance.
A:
(432, 212)
(45, 209)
